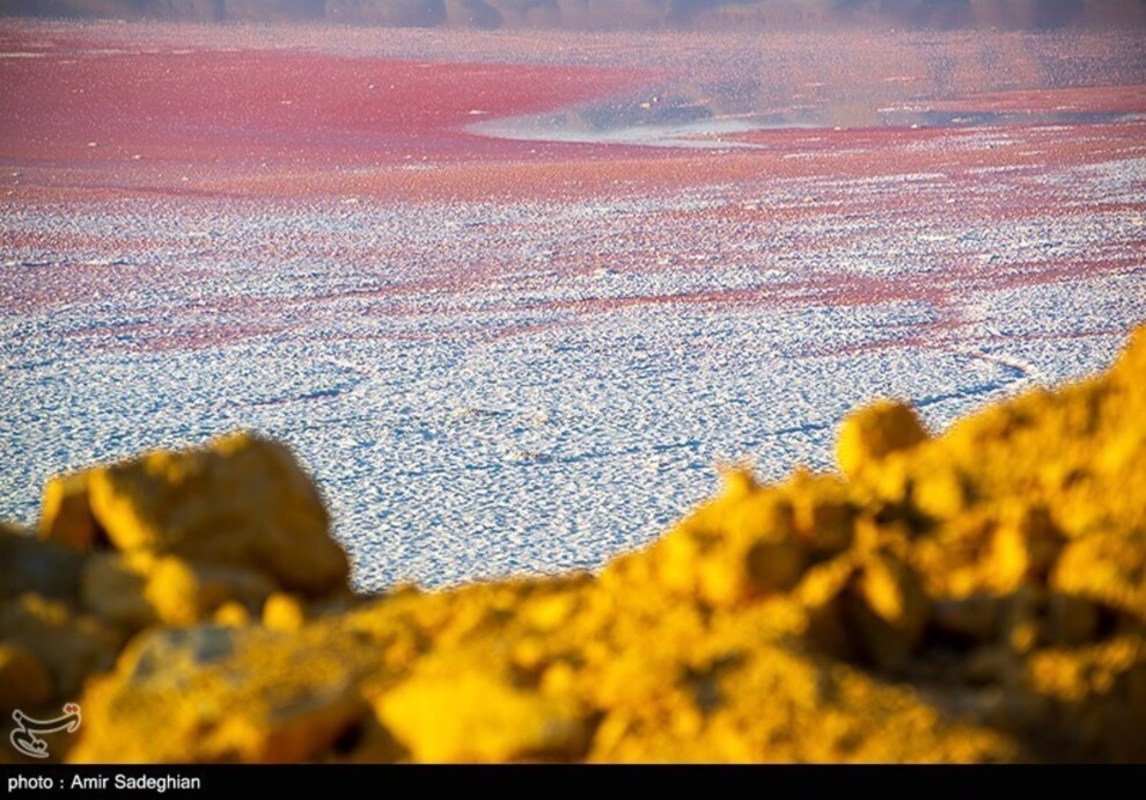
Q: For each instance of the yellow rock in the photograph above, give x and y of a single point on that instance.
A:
(559, 679)
(467, 715)
(776, 566)
(65, 512)
(823, 512)
(232, 614)
(741, 546)
(939, 492)
(241, 501)
(1105, 568)
(284, 612)
(890, 611)
(737, 483)
(551, 611)
(112, 587)
(185, 592)
(893, 594)
(1131, 365)
(868, 436)
(223, 694)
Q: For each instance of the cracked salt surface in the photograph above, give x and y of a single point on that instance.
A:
(482, 389)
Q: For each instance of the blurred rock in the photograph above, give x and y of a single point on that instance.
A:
(185, 592)
(28, 564)
(221, 694)
(976, 618)
(65, 512)
(241, 501)
(870, 435)
(451, 713)
(113, 588)
(284, 612)
(70, 646)
(24, 683)
(1109, 569)
(887, 611)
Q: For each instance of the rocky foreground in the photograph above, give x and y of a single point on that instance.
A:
(974, 597)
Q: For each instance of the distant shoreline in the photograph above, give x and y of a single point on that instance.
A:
(631, 15)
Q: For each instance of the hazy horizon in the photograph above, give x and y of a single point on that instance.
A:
(617, 14)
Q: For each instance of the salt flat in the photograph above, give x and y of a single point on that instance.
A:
(502, 356)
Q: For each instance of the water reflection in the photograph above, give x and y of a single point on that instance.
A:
(680, 122)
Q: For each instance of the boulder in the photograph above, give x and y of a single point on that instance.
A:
(240, 501)
(870, 435)
(453, 711)
(222, 694)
